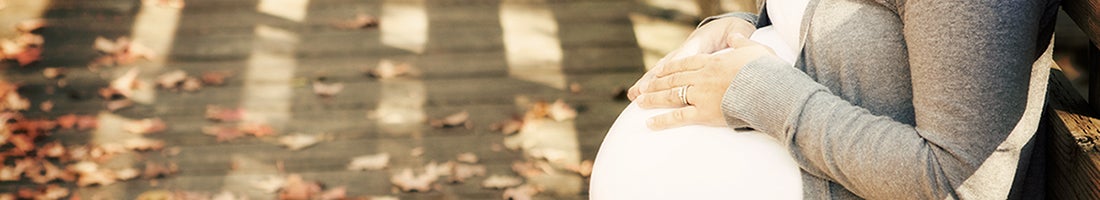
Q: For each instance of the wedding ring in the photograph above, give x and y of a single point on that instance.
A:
(683, 95)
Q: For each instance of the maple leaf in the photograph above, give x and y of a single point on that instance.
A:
(299, 141)
(460, 172)
(500, 182)
(327, 90)
(145, 126)
(359, 22)
(295, 188)
(467, 157)
(453, 120)
(370, 162)
(523, 192)
(408, 182)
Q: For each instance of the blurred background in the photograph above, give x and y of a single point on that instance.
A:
(329, 99)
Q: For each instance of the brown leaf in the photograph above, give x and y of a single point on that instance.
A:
(453, 120)
(295, 188)
(46, 106)
(171, 80)
(155, 170)
(51, 150)
(523, 192)
(53, 191)
(527, 169)
(460, 172)
(509, 126)
(191, 84)
(560, 111)
(142, 144)
(145, 126)
(127, 174)
(215, 78)
(359, 22)
(408, 182)
(575, 88)
(256, 129)
(53, 72)
(370, 162)
(334, 194)
(67, 121)
(100, 177)
(467, 157)
(327, 90)
(299, 141)
(222, 133)
(28, 56)
(219, 114)
(388, 69)
(125, 84)
(500, 182)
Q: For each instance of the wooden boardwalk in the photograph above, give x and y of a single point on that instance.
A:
(481, 56)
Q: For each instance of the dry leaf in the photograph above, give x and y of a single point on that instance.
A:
(219, 114)
(215, 78)
(171, 80)
(155, 170)
(46, 106)
(467, 157)
(125, 84)
(256, 129)
(299, 141)
(142, 144)
(460, 172)
(145, 126)
(575, 88)
(508, 126)
(126, 174)
(222, 133)
(191, 84)
(295, 188)
(51, 150)
(453, 120)
(115, 105)
(53, 191)
(500, 182)
(101, 177)
(334, 194)
(523, 192)
(527, 169)
(327, 90)
(560, 111)
(53, 72)
(370, 162)
(359, 22)
(389, 69)
(406, 181)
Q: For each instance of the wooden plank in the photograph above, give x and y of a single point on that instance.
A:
(1086, 13)
(1076, 133)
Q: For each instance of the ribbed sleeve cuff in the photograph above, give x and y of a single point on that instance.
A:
(751, 18)
(767, 94)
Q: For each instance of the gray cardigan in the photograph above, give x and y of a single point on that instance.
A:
(896, 99)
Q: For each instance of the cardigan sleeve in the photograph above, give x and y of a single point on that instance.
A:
(969, 66)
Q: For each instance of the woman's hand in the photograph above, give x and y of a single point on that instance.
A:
(703, 80)
(711, 37)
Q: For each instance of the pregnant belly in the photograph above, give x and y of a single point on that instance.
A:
(692, 162)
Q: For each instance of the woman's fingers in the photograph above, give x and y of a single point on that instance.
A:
(677, 118)
(671, 81)
(690, 63)
(661, 99)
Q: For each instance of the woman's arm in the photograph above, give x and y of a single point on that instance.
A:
(970, 64)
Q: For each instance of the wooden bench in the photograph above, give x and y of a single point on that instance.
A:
(1070, 133)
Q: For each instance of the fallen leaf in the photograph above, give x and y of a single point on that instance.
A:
(12, 101)
(145, 126)
(299, 141)
(527, 169)
(295, 188)
(467, 157)
(100, 177)
(269, 184)
(142, 144)
(53, 72)
(215, 78)
(334, 194)
(508, 126)
(127, 174)
(523, 192)
(388, 69)
(408, 182)
(359, 22)
(46, 106)
(500, 182)
(370, 162)
(51, 150)
(125, 84)
(327, 90)
(453, 120)
(53, 191)
(191, 84)
(171, 80)
(67, 121)
(156, 170)
(43, 172)
(575, 88)
(219, 114)
(28, 56)
(256, 129)
(222, 133)
(460, 172)
(114, 105)
(107, 46)
(560, 111)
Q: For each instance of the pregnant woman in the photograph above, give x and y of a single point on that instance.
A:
(883, 99)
